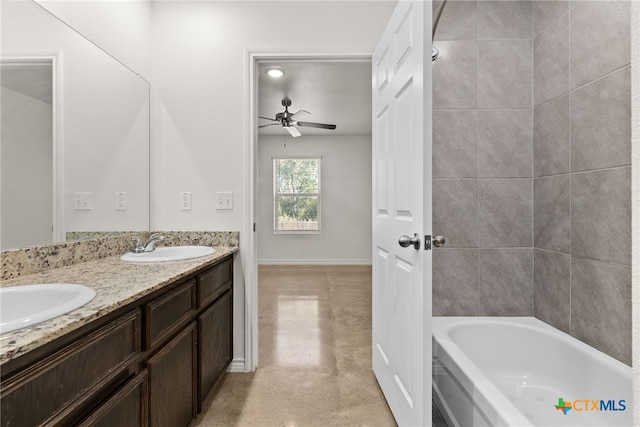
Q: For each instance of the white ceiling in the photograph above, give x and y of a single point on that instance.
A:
(335, 92)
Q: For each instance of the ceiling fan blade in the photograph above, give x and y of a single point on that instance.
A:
(299, 115)
(293, 131)
(316, 125)
(270, 124)
(268, 118)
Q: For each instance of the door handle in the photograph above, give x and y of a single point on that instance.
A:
(438, 241)
(406, 241)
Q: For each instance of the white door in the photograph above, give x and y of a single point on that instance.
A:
(402, 207)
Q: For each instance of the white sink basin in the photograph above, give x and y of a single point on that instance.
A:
(22, 306)
(169, 253)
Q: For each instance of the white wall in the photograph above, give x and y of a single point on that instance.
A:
(345, 201)
(200, 100)
(120, 27)
(27, 210)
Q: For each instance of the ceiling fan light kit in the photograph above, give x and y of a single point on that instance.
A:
(290, 121)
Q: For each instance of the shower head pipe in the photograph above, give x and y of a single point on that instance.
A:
(436, 18)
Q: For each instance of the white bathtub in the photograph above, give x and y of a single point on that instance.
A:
(492, 371)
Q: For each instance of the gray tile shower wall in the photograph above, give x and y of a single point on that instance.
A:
(552, 137)
(582, 181)
(504, 143)
(601, 306)
(455, 282)
(505, 213)
(457, 76)
(505, 282)
(455, 211)
(504, 20)
(551, 288)
(455, 143)
(531, 165)
(551, 76)
(483, 159)
(601, 122)
(552, 213)
(603, 27)
(546, 12)
(505, 68)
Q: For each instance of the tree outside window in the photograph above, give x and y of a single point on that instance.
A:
(296, 184)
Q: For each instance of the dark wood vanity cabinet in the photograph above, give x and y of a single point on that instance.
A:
(215, 330)
(151, 363)
(61, 386)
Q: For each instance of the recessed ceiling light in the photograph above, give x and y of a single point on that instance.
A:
(276, 73)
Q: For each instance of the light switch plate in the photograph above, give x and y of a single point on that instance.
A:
(83, 201)
(224, 200)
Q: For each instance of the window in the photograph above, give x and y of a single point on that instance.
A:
(296, 195)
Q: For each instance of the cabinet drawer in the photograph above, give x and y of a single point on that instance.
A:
(126, 408)
(167, 313)
(66, 380)
(215, 282)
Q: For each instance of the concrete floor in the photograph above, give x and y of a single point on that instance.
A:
(314, 355)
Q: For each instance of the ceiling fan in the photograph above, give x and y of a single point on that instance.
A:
(289, 121)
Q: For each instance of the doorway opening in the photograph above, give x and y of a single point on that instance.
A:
(345, 157)
(31, 209)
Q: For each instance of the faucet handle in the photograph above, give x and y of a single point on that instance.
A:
(138, 245)
(149, 246)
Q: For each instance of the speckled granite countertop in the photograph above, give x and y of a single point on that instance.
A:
(116, 282)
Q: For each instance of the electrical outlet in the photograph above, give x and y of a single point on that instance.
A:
(224, 200)
(121, 201)
(185, 200)
(83, 201)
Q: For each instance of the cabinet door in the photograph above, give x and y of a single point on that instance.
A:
(172, 381)
(215, 344)
(126, 408)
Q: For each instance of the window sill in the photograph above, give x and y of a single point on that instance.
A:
(297, 232)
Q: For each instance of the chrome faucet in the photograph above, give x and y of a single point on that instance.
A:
(149, 246)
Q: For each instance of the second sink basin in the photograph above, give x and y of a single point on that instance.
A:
(169, 253)
(27, 305)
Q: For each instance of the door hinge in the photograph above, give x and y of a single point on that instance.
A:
(427, 242)
(254, 227)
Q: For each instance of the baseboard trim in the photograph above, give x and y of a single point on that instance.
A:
(314, 262)
(237, 365)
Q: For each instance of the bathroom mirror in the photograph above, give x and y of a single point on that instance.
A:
(74, 134)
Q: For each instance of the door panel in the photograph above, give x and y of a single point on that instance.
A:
(406, 163)
(402, 206)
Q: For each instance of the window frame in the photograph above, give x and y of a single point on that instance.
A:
(276, 195)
